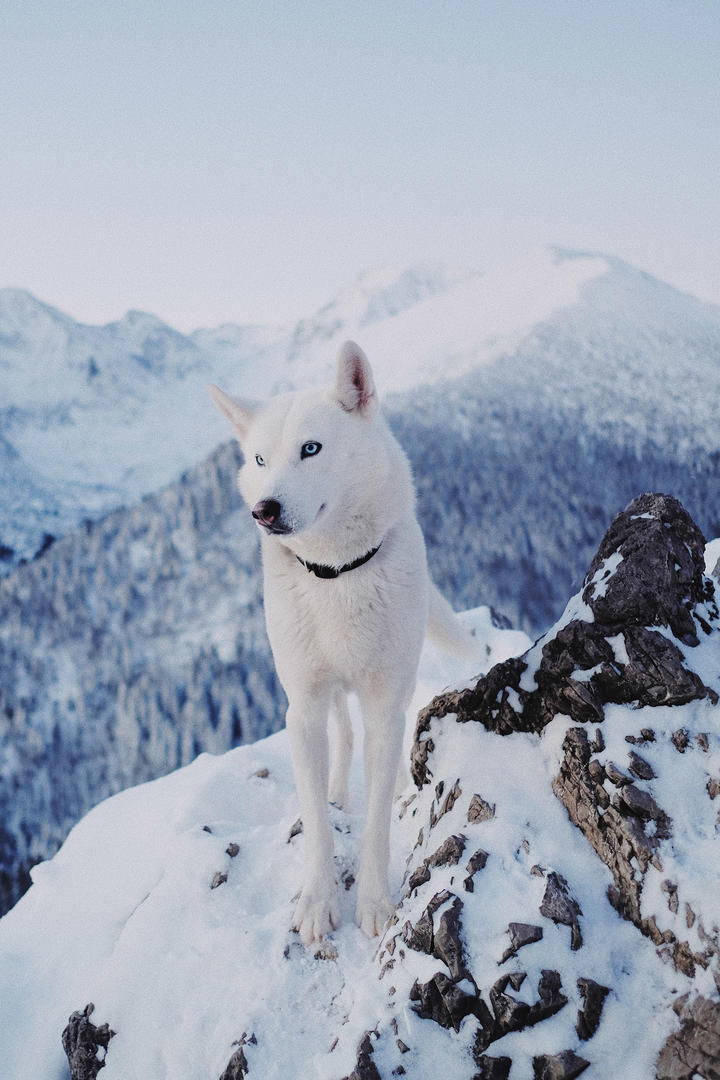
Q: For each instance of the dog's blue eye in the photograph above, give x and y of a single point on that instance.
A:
(259, 460)
(310, 449)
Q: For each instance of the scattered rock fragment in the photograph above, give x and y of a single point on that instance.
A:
(219, 879)
(593, 995)
(295, 830)
(85, 1044)
(558, 905)
(447, 943)
(439, 999)
(448, 854)
(492, 1068)
(640, 768)
(476, 862)
(479, 810)
(521, 934)
(680, 740)
(564, 1066)
(671, 889)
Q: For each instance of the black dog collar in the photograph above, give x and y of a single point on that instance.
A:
(334, 571)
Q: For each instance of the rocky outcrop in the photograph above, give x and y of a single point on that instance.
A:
(626, 639)
(647, 578)
(695, 1049)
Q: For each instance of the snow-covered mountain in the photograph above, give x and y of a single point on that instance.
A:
(533, 401)
(95, 417)
(554, 867)
(92, 418)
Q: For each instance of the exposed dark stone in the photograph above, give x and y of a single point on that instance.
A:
(85, 1044)
(640, 768)
(551, 996)
(615, 776)
(694, 1050)
(447, 944)
(421, 936)
(365, 1067)
(558, 905)
(441, 1000)
(419, 876)
(564, 1066)
(477, 861)
(681, 740)
(237, 1066)
(642, 804)
(451, 798)
(655, 578)
(448, 854)
(521, 934)
(509, 1014)
(662, 566)
(593, 995)
(492, 1068)
(479, 810)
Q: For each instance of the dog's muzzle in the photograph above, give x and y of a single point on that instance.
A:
(268, 513)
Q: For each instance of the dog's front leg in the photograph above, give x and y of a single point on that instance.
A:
(317, 911)
(384, 725)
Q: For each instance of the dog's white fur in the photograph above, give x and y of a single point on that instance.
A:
(358, 633)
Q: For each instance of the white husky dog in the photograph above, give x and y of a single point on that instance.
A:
(348, 601)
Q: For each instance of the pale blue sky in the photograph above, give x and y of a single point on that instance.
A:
(218, 160)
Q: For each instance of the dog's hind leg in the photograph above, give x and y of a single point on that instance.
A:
(384, 725)
(342, 752)
(317, 911)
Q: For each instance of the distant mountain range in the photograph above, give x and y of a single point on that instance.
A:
(92, 418)
(533, 401)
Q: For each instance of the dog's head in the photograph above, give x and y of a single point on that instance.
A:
(310, 459)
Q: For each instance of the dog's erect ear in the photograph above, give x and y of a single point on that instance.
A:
(354, 384)
(239, 413)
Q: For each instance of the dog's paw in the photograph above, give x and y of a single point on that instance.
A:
(316, 915)
(372, 914)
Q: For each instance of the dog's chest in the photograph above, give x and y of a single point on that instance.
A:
(357, 623)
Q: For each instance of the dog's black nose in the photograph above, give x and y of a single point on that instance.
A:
(267, 512)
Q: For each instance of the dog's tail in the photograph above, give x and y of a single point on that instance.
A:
(446, 631)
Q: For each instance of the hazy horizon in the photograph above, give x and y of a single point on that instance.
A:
(231, 163)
